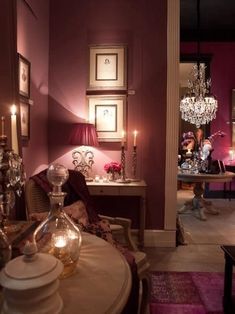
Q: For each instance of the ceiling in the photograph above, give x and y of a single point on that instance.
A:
(217, 20)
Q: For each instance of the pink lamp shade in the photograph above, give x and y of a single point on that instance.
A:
(83, 134)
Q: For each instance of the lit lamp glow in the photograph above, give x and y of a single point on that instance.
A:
(14, 139)
(83, 134)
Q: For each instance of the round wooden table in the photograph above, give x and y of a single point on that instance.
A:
(102, 282)
(198, 205)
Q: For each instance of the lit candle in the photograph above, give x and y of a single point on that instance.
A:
(60, 241)
(14, 139)
(188, 153)
(3, 126)
(123, 136)
(135, 134)
(231, 154)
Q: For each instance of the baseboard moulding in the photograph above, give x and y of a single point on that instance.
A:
(157, 238)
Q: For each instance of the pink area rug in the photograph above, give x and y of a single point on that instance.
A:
(186, 293)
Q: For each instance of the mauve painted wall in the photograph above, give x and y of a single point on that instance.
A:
(7, 63)
(33, 44)
(142, 25)
(222, 70)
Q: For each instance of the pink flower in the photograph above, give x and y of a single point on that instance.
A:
(113, 166)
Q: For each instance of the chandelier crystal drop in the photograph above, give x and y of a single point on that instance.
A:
(198, 106)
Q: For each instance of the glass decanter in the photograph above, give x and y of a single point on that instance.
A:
(57, 234)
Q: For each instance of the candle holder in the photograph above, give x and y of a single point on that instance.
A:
(12, 178)
(134, 165)
(123, 168)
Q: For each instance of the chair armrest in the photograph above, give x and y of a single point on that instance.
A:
(125, 223)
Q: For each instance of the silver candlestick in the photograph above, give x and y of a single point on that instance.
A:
(134, 164)
(123, 167)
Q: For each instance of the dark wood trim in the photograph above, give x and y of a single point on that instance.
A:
(208, 35)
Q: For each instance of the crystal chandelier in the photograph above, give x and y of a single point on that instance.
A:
(198, 106)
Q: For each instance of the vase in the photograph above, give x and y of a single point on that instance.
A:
(113, 176)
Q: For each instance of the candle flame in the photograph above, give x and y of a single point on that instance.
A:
(60, 241)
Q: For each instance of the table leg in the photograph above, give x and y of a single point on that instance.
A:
(228, 275)
(142, 222)
(198, 204)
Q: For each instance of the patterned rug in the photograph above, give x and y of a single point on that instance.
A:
(186, 293)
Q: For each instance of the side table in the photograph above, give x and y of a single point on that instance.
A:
(230, 168)
(229, 255)
(124, 189)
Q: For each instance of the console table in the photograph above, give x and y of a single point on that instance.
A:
(198, 204)
(230, 168)
(113, 188)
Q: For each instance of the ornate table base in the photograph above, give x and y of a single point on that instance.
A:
(198, 204)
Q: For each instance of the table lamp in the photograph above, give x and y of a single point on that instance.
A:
(83, 134)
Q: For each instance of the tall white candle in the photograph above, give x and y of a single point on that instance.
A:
(14, 138)
(3, 125)
(231, 154)
(135, 135)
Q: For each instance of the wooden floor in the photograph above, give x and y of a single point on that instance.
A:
(202, 252)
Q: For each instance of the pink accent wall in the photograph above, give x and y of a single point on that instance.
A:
(222, 71)
(142, 26)
(33, 44)
(7, 62)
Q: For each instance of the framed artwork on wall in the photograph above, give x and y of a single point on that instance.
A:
(107, 68)
(108, 114)
(24, 76)
(25, 120)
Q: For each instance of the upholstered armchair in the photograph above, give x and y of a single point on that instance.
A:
(37, 205)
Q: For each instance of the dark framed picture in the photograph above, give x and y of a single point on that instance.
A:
(108, 114)
(107, 68)
(24, 76)
(25, 120)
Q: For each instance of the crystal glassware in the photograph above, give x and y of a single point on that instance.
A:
(5, 249)
(57, 234)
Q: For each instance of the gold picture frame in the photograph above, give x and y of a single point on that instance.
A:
(107, 68)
